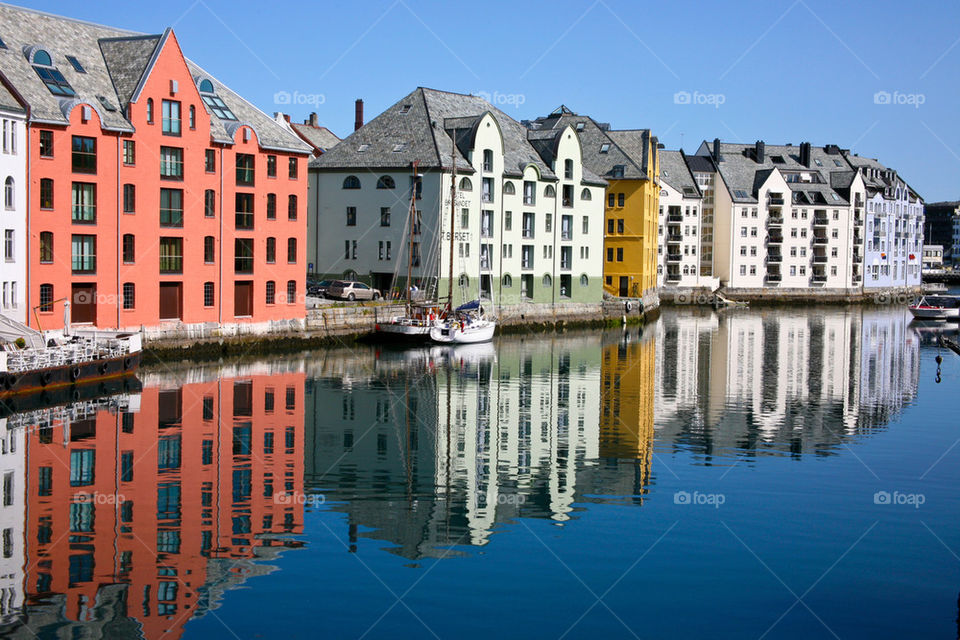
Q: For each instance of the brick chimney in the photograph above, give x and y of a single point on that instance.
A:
(805, 154)
(716, 149)
(313, 121)
(358, 115)
(759, 151)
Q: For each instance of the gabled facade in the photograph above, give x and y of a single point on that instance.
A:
(13, 178)
(629, 161)
(158, 198)
(526, 224)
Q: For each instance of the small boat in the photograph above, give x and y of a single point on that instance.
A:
(935, 287)
(466, 325)
(33, 361)
(415, 324)
(936, 308)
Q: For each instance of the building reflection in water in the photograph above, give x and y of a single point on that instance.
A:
(142, 509)
(784, 380)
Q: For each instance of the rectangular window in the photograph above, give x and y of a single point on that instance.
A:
(46, 144)
(171, 255)
(209, 203)
(46, 298)
(46, 247)
(508, 220)
(271, 206)
(620, 199)
(271, 166)
(171, 163)
(291, 207)
(528, 220)
(129, 152)
(291, 291)
(84, 254)
(271, 294)
(486, 224)
(207, 302)
(8, 245)
(293, 168)
(243, 255)
(46, 193)
(291, 250)
(210, 160)
(244, 211)
(129, 198)
(209, 250)
(487, 190)
(271, 250)
(526, 256)
(171, 118)
(171, 207)
(529, 192)
(619, 254)
(84, 158)
(129, 248)
(351, 216)
(129, 295)
(245, 173)
(84, 205)
(384, 216)
(548, 222)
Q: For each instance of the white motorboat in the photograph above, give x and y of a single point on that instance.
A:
(466, 325)
(936, 308)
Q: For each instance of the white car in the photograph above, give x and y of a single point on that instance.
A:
(352, 290)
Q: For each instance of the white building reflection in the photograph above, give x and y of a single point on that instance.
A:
(789, 380)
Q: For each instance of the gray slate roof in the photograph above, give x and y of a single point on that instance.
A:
(114, 61)
(420, 127)
(9, 101)
(627, 148)
(741, 172)
(883, 181)
(675, 172)
(320, 137)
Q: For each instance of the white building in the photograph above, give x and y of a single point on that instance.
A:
(932, 257)
(12, 520)
(527, 221)
(782, 216)
(680, 226)
(13, 175)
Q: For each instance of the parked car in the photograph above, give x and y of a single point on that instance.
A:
(352, 290)
(318, 288)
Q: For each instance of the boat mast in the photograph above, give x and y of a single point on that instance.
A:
(453, 211)
(413, 226)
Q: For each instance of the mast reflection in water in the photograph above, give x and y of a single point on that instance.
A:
(132, 515)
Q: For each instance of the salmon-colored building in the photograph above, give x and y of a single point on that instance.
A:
(142, 500)
(158, 198)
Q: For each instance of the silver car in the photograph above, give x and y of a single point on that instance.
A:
(352, 290)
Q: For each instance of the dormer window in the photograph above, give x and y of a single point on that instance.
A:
(405, 109)
(210, 98)
(605, 147)
(51, 77)
(76, 64)
(618, 170)
(579, 126)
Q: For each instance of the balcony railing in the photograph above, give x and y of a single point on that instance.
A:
(674, 237)
(819, 279)
(673, 276)
(819, 259)
(821, 222)
(675, 217)
(774, 221)
(674, 257)
(820, 240)
(775, 258)
(774, 238)
(774, 278)
(773, 201)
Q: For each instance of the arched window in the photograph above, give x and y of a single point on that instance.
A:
(8, 196)
(193, 117)
(149, 110)
(466, 185)
(584, 281)
(386, 182)
(291, 207)
(50, 75)
(351, 182)
(349, 274)
(568, 169)
(271, 291)
(508, 188)
(464, 280)
(206, 86)
(42, 57)
(547, 280)
(507, 281)
(549, 192)
(291, 250)
(586, 195)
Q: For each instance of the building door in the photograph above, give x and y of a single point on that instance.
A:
(243, 298)
(486, 287)
(624, 286)
(171, 300)
(383, 282)
(83, 304)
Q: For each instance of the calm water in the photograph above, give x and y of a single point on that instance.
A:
(781, 474)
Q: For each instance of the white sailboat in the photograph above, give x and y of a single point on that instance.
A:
(466, 324)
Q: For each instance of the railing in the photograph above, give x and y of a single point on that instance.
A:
(819, 259)
(674, 237)
(774, 239)
(674, 217)
(674, 257)
(819, 279)
(821, 222)
(775, 201)
(79, 349)
(820, 240)
(774, 277)
(673, 276)
(775, 258)
(774, 221)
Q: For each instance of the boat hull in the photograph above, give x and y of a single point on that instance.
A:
(33, 381)
(472, 334)
(398, 330)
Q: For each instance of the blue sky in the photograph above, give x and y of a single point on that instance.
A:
(779, 71)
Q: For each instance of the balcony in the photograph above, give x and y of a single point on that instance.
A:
(775, 258)
(674, 237)
(819, 240)
(819, 279)
(775, 221)
(857, 278)
(673, 276)
(675, 217)
(775, 201)
(774, 238)
(819, 259)
(821, 221)
(674, 257)
(774, 278)
(857, 238)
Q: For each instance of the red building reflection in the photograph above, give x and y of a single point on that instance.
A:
(127, 510)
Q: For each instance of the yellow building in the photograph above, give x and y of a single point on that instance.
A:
(630, 162)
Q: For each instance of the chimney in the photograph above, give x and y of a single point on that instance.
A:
(716, 149)
(759, 151)
(286, 117)
(313, 121)
(805, 154)
(358, 115)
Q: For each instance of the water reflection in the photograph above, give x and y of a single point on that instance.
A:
(133, 514)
